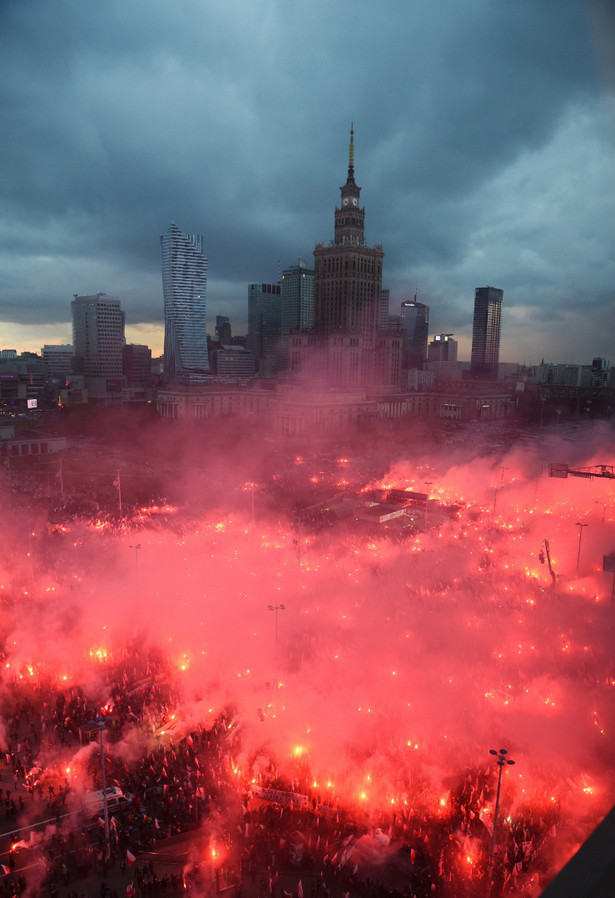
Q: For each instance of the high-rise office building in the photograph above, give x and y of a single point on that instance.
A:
(415, 327)
(265, 326)
(297, 297)
(486, 328)
(297, 304)
(184, 281)
(98, 339)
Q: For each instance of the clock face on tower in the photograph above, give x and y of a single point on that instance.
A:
(354, 201)
(346, 201)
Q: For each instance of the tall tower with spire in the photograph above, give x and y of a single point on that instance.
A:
(349, 217)
(348, 272)
(350, 345)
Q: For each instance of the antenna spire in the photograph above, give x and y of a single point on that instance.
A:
(350, 179)
(351, 157)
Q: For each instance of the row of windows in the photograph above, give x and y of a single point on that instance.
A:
(343, 263)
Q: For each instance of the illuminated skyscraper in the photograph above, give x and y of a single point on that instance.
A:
(486, 332)
(184, 282)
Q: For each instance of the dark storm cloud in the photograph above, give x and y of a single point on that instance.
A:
(232, 119)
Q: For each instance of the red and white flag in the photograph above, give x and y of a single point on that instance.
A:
(130, 856)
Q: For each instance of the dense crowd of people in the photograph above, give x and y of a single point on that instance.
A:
(188, 783)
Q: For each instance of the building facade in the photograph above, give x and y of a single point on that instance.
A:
(58, 359)
(297, 306)
(415, 328)
(265, 326)
(486, 327)
(442, 349)
(223, 329)
(184, 282)
(385, 301)
(23, 379)
(98, 340)
(137, 365)
(234, 363)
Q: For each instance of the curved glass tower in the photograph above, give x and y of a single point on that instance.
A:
(184, 282)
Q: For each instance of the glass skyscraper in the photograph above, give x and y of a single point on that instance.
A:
(264, 326)
(486, 328)
(297, 297)
(415, 327)
(184, 282)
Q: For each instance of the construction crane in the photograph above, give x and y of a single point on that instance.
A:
(560, 470)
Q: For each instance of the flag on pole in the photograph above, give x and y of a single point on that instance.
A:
(130, 856)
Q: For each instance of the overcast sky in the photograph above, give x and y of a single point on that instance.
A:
(484, 146)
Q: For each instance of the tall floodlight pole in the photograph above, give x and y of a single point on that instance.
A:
(501, 761)
(580, 526)
(276, 608)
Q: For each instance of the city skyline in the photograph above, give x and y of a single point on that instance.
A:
(476, 167)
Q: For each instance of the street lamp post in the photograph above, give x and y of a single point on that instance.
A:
(501, 761)
(276, 608)
(580, 526)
